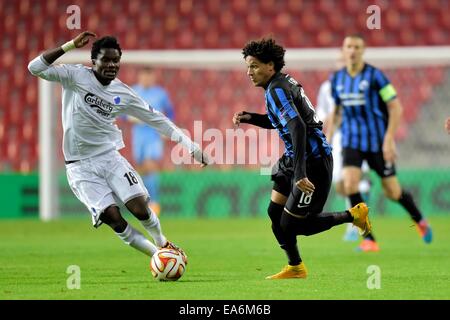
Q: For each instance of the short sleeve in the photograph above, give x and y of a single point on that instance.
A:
(385, 89)
(282, 105)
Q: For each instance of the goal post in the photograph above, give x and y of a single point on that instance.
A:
(302, 60)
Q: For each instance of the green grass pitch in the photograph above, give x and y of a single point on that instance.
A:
(228, 259)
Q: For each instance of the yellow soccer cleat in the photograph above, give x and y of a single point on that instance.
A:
(291, 272)
(360, 214)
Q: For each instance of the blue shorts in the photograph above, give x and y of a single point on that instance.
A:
(147, 144)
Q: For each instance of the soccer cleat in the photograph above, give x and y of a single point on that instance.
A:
(360, 214)
(171, 245)
(425, 231)
(291, 272)
(368, 245)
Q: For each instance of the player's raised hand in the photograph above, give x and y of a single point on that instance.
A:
(305, 185)
(239, 116)
(83, 39)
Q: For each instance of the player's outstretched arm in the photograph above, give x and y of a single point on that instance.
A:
(260, 120)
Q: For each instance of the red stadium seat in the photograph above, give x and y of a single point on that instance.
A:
(283, 22)
(444, 23)
(406, 5)
(420, 21)
(327, 7)
(239, 7)
(51, 7)
(351, 7)
(226, 22)
(213, 7)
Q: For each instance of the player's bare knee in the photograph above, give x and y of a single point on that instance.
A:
(112, 217)
(351, 188)
(392, 193)
(141, 212)
(139, 208)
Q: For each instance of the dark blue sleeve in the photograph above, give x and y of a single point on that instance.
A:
(259, 120)
(380, 79)
(297, 129)
(282, 105)
(384, 87)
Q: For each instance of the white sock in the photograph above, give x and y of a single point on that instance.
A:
(153, 227)
(135, 239)
(351, 228)
(364, 186)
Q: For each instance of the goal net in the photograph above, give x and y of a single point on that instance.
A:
(208, 86)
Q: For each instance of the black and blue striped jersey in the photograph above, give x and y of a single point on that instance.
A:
(286, 100)
(363, 99)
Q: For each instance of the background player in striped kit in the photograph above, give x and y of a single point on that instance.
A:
(370, 111)
(324, 108)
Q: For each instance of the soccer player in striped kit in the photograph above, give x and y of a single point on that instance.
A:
(302, 176)
(370, 112)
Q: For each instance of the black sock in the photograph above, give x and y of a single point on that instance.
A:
(312, 223)
(324, 221)
(292, 254)
(407, 202)
(275, 211)
(355, 199)
(370, 237)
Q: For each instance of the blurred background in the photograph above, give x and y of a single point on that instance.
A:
(213, 94)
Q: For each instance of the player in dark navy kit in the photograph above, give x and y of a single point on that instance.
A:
(302, 176)
(370, 112)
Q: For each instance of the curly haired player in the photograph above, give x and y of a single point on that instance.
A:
(302, 176)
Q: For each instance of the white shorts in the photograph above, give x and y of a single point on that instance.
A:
(338, 161)
(104, 180)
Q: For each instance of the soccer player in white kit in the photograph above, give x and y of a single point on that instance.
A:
(97, 173)
(324, 108)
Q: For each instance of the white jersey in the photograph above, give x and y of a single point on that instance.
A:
(89, 110)
(325, 106)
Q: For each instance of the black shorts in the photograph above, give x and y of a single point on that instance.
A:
(318, 170)
(375, 160)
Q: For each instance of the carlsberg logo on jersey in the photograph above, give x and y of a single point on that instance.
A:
(103, 107)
